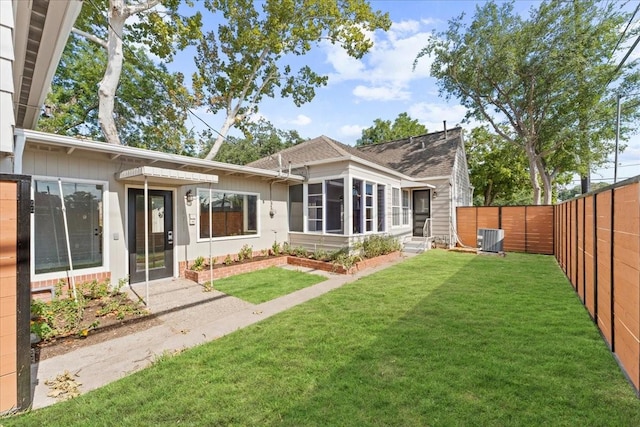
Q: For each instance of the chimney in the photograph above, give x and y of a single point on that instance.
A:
(445, 128)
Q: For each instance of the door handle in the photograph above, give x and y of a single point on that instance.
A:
(170, 237)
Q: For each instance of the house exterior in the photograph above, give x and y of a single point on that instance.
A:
(96, 211)
(407, 188)
(32, 38)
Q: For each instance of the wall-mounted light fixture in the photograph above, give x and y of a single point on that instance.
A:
(435, 194)
(189, 197)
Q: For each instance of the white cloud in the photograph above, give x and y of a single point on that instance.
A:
(381, 93)
(301, 120)
(432, 115)
(388, 69)
(351, 131)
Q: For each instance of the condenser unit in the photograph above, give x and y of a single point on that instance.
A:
(490, 239)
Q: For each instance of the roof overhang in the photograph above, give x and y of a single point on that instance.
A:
(41, 30)
(164, 176)
(415, 184)
(138, 157)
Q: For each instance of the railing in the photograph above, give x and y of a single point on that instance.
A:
(426, 233)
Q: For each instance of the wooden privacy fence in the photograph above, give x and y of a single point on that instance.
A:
(526, 228)
(597, 244)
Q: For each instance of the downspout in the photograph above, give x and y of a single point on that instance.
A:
(18, 152)
(146, 238)
(210, 237)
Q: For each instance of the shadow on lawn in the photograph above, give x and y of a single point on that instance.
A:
(488, 345)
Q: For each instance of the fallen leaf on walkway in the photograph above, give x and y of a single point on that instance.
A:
(257, 312)
(63, 387)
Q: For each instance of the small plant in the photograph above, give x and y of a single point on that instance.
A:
(276, 249)
(321, 255)
(198, 264)
(94, 289)
(286, 248)
(346, 260)
(245, 253)
(207, 286)
(300, 252)
(228, 260)
(264, 253)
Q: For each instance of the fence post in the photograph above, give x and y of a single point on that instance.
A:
(613, 318)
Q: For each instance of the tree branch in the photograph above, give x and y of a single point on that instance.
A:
(90, 37)
(140, 7)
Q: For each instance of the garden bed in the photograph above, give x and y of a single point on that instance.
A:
(221, 271)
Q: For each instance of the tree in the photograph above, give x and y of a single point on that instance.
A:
(542, 83)
(150, 108)
(254, 54)
(383, 130)
(261, 139)
(157, 25)
(498, 169)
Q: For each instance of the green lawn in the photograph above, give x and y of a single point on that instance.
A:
(441, 339)
(267, 284)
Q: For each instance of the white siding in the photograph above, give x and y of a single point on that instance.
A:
(7, 120)
(99, 167)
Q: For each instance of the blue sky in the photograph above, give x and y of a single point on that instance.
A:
(383, 84)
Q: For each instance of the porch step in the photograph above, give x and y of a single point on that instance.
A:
(416, 244)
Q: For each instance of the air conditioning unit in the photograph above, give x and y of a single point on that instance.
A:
(490, 239)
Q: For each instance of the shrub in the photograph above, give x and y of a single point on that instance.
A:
(275, 248)
(246, 252)
(377, 245)
(198, 264)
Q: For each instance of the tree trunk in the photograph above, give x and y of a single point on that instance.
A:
(533, 174)
(221, 136)
(488, 197)
(109, 82)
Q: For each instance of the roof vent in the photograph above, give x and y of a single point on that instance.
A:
(445, 128)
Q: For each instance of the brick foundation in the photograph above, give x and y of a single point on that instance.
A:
(44, 289)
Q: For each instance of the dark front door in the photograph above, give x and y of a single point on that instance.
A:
(160, 226)
(421, 210)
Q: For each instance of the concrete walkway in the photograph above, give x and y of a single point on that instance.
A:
(188, 317)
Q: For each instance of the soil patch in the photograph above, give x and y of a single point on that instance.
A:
(110, 326)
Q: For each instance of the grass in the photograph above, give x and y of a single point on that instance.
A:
(266, 284)
(441, 339)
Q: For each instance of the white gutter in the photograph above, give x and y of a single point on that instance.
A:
(123, 150)
(18, 152)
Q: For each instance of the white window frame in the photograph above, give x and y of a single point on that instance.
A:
(105, 231)
(396, 207)
(307, 208)
(205, 191)
(406, 208)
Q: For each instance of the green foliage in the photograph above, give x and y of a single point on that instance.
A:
(261, 140)
(377, 245)
(228, 260)
(299, 252)
(383, 130)
(150, 108)
(63, 315)
(345, 259)
(543, 83)
(198, 264)
(253, 54)
(276, 249)
(245, 253)
(498, 170)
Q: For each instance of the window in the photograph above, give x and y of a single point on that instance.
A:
(405, 207)
(381, 208)
(368, 206)
(84, 211)
(296, 211)
(335, 206)
(357, 205)
(314, 207)
(395, 207)
(232, 214)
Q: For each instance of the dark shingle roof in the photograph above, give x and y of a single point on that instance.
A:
(418, 157)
